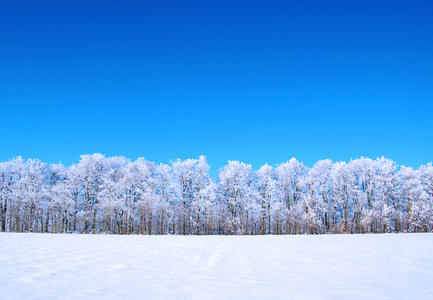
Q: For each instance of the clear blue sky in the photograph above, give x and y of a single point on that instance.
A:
(255, 81)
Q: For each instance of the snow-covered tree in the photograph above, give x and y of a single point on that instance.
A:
(116, 195)
(236, 195)
(191, 177)
(290, 185)
(266, 194)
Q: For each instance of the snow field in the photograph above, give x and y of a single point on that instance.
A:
(51, 266)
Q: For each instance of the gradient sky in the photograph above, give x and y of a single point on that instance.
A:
(255, 81)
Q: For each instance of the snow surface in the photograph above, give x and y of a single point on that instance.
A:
(51, 266)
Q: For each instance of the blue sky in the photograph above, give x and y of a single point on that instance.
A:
(255, 81)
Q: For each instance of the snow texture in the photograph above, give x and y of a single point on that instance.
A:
(54, 266)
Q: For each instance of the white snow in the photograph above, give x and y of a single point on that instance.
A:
(50, 266)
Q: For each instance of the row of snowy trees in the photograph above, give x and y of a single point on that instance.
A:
(115, 195)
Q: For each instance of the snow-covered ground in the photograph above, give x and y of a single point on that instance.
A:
(49, 266)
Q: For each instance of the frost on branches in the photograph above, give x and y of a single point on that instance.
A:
(116, 195)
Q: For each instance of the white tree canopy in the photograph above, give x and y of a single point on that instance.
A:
(103, 194)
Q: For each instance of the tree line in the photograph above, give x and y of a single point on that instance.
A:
(115, 195)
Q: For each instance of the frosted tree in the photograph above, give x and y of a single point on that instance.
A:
(290, 185)
(71, 189)
(5, 192)
(10, 173)
(144, 182)
(191, 176)
(320, 180)
(205, 209)
(116, 195)
(415, 199)
(90, 170)
(344, 190)
(426, 177)
(235, 192)
(316, 206)
(58, 200)
(204, 194)
(30, 195)
(386, 197)
(364, 172)
(266, 186)
(166, 199)
(113, 196)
